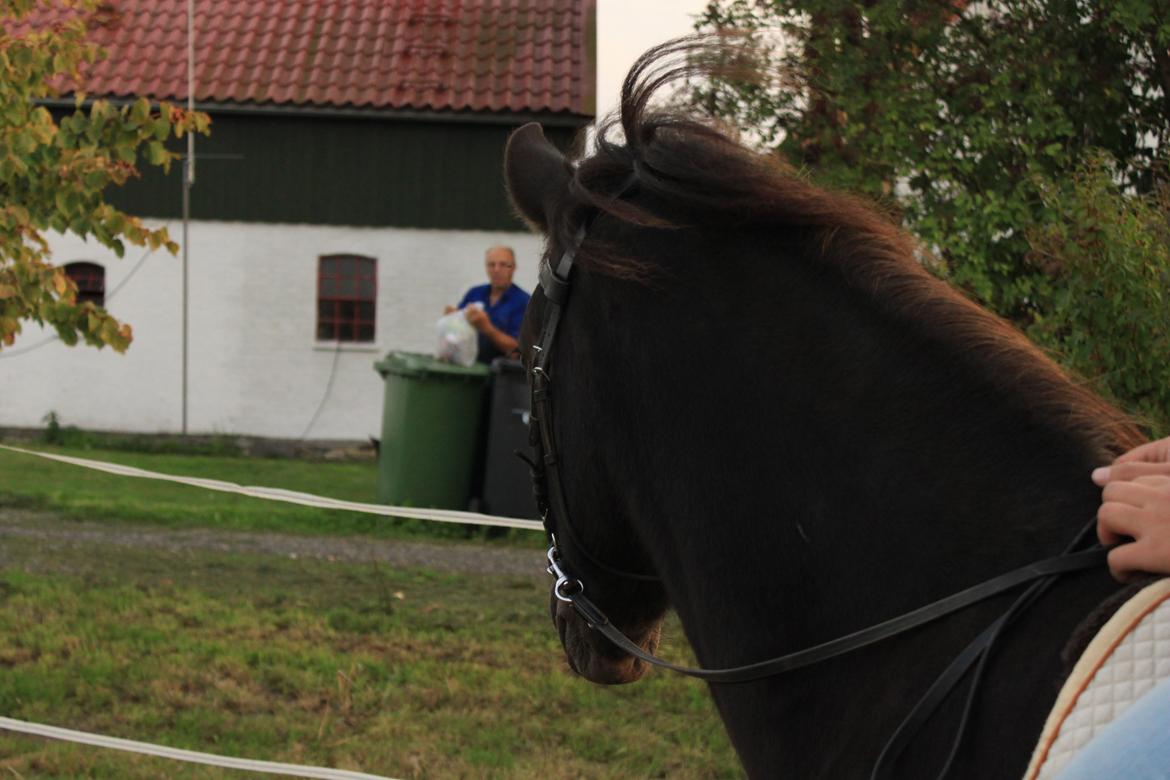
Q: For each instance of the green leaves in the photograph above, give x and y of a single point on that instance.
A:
(156, 153)
(1108, 253)
(53, 176)
(971, 117)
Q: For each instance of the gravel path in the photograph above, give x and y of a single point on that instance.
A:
(443, 556)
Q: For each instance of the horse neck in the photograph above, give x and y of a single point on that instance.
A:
(798, 465)
(796, 446)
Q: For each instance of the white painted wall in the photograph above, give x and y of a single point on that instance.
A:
(255, 366)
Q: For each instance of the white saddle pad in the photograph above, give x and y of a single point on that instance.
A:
(1127, 658)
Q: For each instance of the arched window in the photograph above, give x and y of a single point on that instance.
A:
(347, 290)
(90, 279)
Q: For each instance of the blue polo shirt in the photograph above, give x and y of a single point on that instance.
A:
(506, 315)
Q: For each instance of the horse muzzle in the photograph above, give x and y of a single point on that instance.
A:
(594, 657)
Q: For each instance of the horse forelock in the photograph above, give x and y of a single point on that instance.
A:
(691, 173)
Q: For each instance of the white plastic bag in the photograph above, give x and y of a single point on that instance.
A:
(457, 340)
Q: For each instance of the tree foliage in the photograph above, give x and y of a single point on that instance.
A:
(955, 110)
(967, 118)
(1109, 315)
(53, 174)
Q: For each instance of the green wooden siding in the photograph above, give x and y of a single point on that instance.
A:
(339, 171)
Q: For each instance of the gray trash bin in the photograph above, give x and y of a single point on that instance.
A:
(507, 486)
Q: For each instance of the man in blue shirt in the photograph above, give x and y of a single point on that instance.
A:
(498, 321)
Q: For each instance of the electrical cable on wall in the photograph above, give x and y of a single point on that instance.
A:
(328, 389)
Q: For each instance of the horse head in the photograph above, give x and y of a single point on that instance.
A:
(539, 180)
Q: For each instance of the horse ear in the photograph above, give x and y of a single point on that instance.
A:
(537, 175)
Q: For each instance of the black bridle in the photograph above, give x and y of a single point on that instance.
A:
(550, 498)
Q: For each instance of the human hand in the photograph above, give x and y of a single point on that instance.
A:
(477, 317)
(1135, 503)
(1150, 452)
(449, 309)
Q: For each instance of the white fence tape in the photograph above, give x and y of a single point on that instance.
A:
(292, 496)
(191, 756)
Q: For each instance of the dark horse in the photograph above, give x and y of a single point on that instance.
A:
(760, 396)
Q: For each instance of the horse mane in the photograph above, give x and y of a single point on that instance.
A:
(696, 173)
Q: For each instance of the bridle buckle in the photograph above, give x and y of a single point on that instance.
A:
(566, 587)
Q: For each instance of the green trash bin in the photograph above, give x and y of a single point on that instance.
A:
(430, 428)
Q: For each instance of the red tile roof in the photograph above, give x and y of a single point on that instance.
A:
(514, 56)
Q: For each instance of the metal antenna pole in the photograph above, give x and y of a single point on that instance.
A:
(188, 180)
(186, 214)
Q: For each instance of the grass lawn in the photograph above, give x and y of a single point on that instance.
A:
(31, 482)
(406, 673)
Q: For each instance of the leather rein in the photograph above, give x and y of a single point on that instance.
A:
(550, 499)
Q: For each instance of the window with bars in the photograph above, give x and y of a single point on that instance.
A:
(90, 279)
(347, 291)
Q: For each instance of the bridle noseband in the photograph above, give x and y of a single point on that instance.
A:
(550, 499)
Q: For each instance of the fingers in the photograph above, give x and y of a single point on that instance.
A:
(1135, 510)
(1150, 452)
(477, 317)
(1139, 492)
(1129, 470)
(1123, 561)
(1151, 554)
(1136, 516)
(1117, 521)
(1139, 469)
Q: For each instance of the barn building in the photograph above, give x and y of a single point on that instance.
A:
(348, 190)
